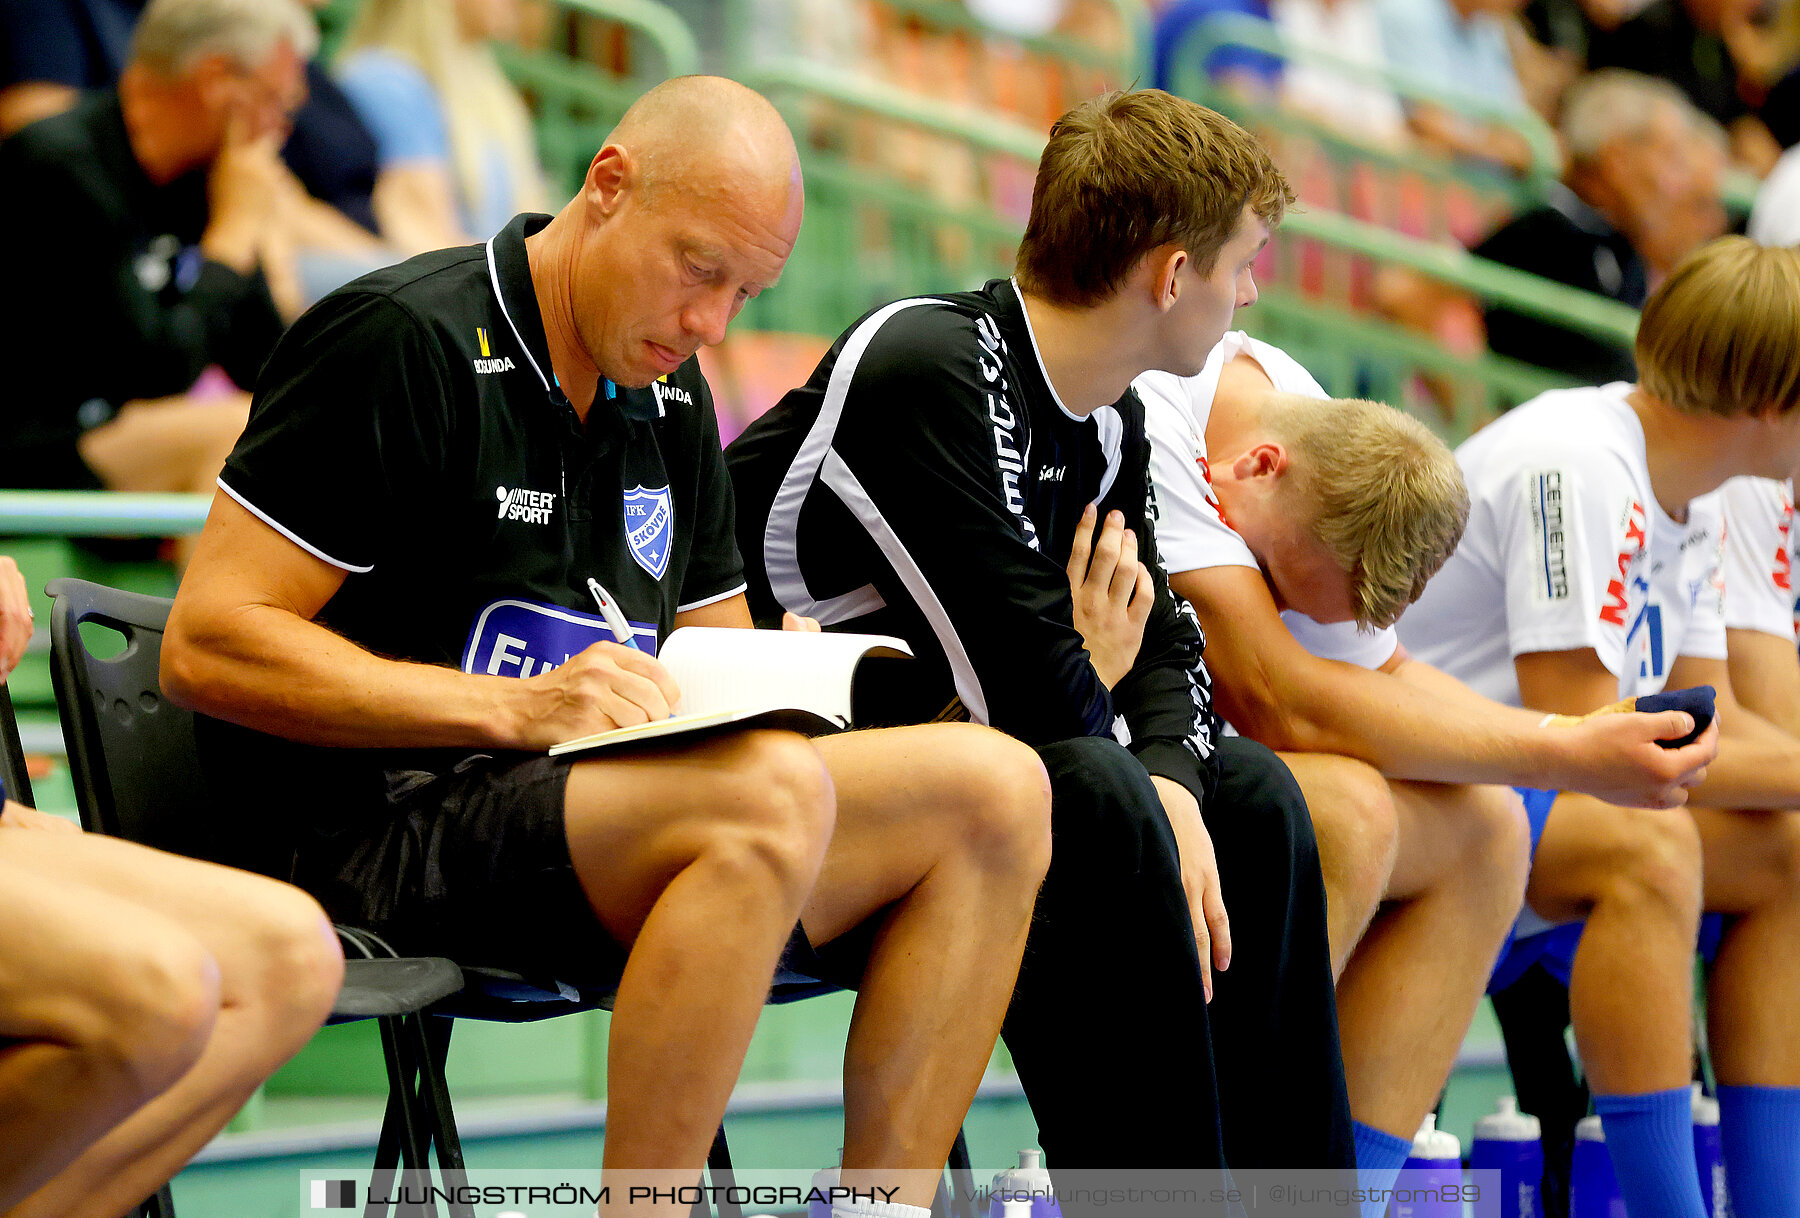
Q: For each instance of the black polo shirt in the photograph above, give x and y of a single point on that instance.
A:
(409, 431)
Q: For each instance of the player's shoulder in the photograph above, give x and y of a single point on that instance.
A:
(1756, 496)
(939, 340)
(1592, 429)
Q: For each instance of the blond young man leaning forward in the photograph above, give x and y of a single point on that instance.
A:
(1591, 571)
(1299, 528)
(553, 371)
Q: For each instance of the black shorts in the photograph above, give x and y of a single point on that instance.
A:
(473, 864)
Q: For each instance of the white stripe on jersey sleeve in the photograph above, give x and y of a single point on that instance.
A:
(814, 459)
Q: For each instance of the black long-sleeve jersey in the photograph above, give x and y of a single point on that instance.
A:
(926, 482)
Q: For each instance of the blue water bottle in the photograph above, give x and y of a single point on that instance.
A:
(1708, 1157)
(1433, 1175)
(1510, 1142)
(1593, 1189)
(1029, 1181)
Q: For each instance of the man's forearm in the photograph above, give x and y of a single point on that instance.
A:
(1758, 764)
(1419, 725)
(273, 671)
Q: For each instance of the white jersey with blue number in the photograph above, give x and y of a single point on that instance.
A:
(1759, 556)
(1567, 549)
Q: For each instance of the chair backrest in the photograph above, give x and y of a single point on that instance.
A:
(12, 756)
(132, 755)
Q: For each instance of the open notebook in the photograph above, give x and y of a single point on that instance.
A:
(754, 678)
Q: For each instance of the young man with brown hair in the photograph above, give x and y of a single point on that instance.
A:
(1300, 528)
(970, 472)
(1591, 572)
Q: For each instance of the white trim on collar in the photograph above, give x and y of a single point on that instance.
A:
(1039, 355)
(499, 295)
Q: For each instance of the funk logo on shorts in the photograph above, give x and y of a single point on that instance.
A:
(532, 507)
(487, 363)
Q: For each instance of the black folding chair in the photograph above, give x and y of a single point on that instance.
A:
(137, 775)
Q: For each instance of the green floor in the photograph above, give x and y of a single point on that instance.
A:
(520, 1099)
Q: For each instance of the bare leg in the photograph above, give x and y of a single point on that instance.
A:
(946, 830)
(173, 444)
(1634, 873)
(1406, 999)
(102, 1000)
(1752, 869)
(1357, 827)
(275, 965)
(700, 861)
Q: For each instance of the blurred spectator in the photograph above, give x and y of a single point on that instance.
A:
(1776, 219)
(1640, 191)
(457, 152)
(1780, 110)
(1348, 30)
(1460, 48)
(140, 220)
(1244, 70)
(1715, 51)
(52, 50)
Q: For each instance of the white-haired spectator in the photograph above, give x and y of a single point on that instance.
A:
(1641, 190)
(144, 218)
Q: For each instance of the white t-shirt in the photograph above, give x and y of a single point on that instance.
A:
(1775, 220)
(1192, 533)
(1759, 556)
(1567, 548)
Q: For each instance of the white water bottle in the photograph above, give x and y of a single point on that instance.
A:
(1029, 1182)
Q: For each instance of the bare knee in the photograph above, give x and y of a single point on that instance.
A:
(1497, 844)
(997, 796)
(1658, 867)
(1357, 826)
(781, 816)
(292, 964)
(1781, 855)
(151, 1020)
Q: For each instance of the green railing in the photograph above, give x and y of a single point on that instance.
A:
(870, 236)
(1104, 66)
(1235, 29)
(599, 56)
(100, 514)
(1415, 189)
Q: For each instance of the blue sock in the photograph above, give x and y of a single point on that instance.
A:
(1379, 1158)
(1759, 1131)
(1651, 1140)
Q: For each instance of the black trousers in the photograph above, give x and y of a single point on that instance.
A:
(1123, 1061)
